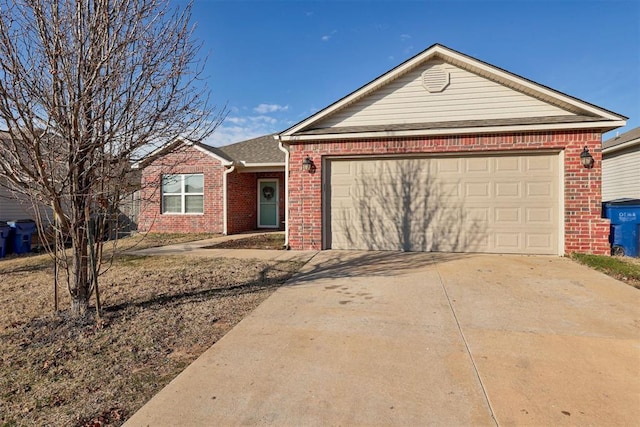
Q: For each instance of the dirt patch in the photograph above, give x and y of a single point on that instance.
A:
(160, 313)
(272, 241)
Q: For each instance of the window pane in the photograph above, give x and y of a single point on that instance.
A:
(193, 183)
(194, 204)
(171, 184)
(171, 204)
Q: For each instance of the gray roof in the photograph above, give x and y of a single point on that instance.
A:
(215, 150)
(263, 149)
(448, 125)
(621, 139)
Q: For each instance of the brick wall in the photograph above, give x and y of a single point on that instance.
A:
(585, 230)
(184, 160)
(243, 200)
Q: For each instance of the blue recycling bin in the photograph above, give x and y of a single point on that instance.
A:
(624, 235)
(5, 230)
(23, 230)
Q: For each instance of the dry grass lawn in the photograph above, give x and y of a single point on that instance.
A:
(272, 241)
(160, 314)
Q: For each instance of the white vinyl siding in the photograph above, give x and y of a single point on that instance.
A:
(183, 194)
(467, 97)
(621, 175)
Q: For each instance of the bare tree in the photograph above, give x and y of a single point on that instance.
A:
(86, 87)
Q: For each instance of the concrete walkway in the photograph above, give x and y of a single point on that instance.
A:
(421, 339)
(199, 248)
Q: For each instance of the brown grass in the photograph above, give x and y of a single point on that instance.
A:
(272, 241)
(160, 313)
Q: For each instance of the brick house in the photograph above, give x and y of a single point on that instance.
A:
(442, 153)
(191, 187)
(448, 153)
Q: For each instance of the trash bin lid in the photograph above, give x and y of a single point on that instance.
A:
(623, 202)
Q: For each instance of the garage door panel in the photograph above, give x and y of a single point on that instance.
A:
(540, 163)
(449, 165)
(508, 189)
(539, 189)
(502, 204)
(510, 215)
(477, 189)
(508, 164)
(540, 216)
(478, 164)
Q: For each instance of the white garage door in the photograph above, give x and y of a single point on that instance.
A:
(496, 204)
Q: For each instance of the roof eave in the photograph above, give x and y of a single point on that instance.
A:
(179, 140)
(260, 165)
(603, 126)
(244, 167)
(454, 56)
(622, 146)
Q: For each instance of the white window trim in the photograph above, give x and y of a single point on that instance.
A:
(182, 194)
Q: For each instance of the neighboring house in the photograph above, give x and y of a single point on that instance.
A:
(198, 188)
(620, 171)
(448, 153)
(14, 206)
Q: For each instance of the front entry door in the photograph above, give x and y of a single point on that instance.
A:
(268, 203)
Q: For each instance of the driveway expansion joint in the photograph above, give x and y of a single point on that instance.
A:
(466, 346)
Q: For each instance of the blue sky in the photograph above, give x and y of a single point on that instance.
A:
(274, 63)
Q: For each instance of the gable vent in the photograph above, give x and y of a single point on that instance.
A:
(435, 78)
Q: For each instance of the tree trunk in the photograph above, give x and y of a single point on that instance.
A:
(80, 286)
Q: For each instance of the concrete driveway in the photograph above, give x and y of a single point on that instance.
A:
(383, 338)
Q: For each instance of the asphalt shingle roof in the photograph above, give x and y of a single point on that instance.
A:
(621, 139)
(263, 149)
(448, 125)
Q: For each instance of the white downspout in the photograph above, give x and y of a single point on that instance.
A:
(225, 198)
(285, 150)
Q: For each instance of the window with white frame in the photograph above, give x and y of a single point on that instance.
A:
(183, 194)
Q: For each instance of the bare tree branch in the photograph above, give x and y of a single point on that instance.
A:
(86, 87)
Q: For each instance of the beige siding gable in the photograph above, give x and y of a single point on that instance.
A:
(467, 96)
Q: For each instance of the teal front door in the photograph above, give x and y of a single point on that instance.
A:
(268, 203)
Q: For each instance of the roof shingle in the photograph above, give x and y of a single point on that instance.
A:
(263, 149)
(621, 139)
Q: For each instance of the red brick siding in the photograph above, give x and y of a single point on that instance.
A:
(243, 200)
(585, 230)
(185, 160)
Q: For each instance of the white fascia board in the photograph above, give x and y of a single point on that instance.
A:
(181, 140)
(624, 146)
(261, 165)
(459, 131)
(245, 167)
(452, 56)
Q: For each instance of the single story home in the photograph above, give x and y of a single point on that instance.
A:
(620, 172)
(442, 153)
(199, 188)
